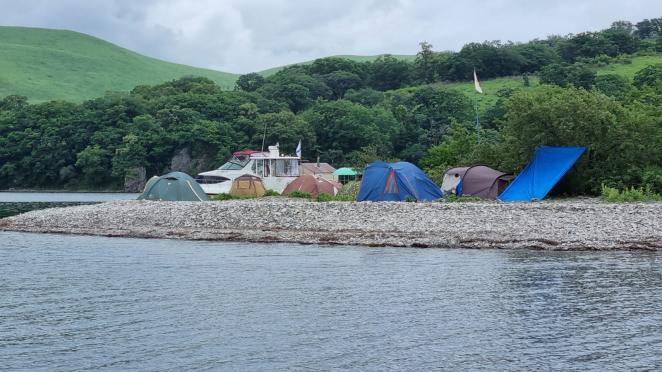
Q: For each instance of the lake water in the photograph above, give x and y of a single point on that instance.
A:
(82, 303)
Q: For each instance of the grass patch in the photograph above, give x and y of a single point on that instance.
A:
(300, 194)
(223, 197)
(324, 197)
(452, 198)
(271, 193)
(628, 70)
(633, 194)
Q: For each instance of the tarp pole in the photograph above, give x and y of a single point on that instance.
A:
(477, 116)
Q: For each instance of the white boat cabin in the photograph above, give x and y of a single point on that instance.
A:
(276, 171)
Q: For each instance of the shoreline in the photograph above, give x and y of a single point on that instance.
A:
(56, 191)
(575, 224)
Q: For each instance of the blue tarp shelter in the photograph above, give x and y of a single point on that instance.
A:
(549, 164)
(396, 182)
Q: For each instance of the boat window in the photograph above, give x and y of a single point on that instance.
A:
(236, 163)
(259, 167)
(206, 180)
(286, 168)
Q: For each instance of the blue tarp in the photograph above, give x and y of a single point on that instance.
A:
(395, 182)
(549, 164)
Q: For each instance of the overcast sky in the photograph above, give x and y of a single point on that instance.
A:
(249, 35)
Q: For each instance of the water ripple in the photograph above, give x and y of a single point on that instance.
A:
(84, 303)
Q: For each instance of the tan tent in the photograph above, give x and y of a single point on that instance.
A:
(247, 185)
(313, 185)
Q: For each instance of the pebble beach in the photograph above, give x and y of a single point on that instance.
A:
(573, 224)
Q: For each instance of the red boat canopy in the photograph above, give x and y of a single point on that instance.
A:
(244, 152)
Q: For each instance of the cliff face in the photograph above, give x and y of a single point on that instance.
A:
(135, 179)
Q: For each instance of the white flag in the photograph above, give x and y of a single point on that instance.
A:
(477, 83)
(299, 150)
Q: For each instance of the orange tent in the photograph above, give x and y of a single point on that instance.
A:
(313, 185)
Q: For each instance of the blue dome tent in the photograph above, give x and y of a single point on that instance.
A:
(396, 182)
(535, 181)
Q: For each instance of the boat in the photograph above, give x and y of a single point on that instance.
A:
(276, 171)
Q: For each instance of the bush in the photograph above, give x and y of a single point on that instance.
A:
(649, 75)
(620, 142)
(632, 194)
(222, 197)
(324, 197)
(652, 178)
(299, 194)
(271, 193)
(350, 190)
(452, 198)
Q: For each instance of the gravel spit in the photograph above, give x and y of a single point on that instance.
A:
(572, 224)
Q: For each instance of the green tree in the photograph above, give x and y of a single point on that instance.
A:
(249, 82)
(564, 75)
(342, 127)
(619, 142)
(650, 75)
(425, 64)
(94, 162)
(286, 129)
(129, 156)
(388, 72)
(365, 96)
(341, 81)
(613, 85)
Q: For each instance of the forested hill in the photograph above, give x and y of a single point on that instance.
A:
(47, 64)
(601, 90)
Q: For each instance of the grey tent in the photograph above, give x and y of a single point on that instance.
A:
(477, 180)
(175, 186)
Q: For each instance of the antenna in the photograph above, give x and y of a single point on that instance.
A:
(264, 136)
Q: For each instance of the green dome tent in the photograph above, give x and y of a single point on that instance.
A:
(175, 186)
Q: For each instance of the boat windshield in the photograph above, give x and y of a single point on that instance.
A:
(236, 163)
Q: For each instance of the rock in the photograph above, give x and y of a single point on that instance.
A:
(181, 162)
(134, 180)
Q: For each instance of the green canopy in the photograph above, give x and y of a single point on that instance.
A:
(175, 186)
(345, 172)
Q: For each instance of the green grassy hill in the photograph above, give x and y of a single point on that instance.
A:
(45, 64)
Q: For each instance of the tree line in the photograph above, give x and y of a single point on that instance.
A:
(351, 113)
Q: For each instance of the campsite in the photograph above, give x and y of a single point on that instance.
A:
(350, 185)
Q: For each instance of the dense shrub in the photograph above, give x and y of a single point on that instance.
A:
(271, 192)
(324, 197)
(632, 194)
(350, 190)
(299, 194)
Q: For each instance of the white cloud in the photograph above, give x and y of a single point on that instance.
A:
(249, 35)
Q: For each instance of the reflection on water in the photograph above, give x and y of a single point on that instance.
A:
(91, 302)
(13, 203)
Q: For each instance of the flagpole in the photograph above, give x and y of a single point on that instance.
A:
(477, 116)
(479, 90)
